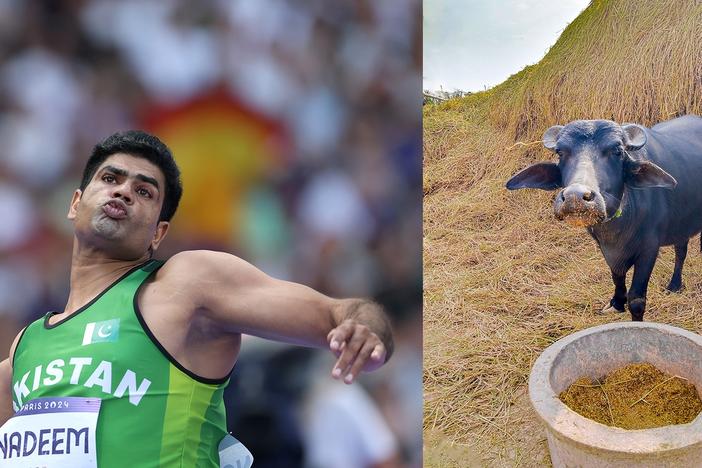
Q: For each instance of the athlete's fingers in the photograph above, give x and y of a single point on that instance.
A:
(371, 357)
(337, 353)
(377, 358)
(359, 362)
(340, 335)
(348, 355)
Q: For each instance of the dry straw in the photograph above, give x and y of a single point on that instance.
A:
(502, 278)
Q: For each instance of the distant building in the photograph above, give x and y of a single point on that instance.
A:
(435, 97)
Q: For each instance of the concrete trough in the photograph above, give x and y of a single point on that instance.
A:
(576, 441)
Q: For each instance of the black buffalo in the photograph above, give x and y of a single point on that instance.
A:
(635, 189)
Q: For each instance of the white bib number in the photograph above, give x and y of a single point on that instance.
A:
(233, 454)
(52, 433)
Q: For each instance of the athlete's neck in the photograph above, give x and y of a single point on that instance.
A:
(92, 271)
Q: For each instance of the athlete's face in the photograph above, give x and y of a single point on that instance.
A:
(119, 209)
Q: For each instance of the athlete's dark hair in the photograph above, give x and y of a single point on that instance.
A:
(142, 145)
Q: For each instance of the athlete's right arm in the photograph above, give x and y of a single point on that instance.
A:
(6, 411)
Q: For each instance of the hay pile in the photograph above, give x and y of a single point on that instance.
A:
(502, 278)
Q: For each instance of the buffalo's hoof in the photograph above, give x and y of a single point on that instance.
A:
(610, 309)
(674, 287)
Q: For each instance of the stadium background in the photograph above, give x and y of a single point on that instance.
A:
(297, 127)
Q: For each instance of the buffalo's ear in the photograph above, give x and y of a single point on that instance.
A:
(544, 176)
(634, 136)
(645, 174)
(551, 135)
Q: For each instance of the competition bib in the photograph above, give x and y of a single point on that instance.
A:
(233, 454)
(51, 432)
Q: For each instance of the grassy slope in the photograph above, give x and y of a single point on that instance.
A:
(503, 280)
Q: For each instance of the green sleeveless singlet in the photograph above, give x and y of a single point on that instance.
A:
(154, 412)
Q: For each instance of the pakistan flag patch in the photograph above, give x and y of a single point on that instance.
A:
(101, 332)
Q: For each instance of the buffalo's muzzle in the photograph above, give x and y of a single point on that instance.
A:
(579, 205)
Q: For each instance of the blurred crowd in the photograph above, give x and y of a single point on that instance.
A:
(297, 127)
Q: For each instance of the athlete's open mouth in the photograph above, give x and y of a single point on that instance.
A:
(115, 209)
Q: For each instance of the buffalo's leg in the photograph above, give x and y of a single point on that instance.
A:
(675, 284)
(618, 301)
(639, 284)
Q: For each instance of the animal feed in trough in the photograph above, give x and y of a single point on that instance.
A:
(636, 396)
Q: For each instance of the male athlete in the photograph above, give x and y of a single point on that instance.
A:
(148, 346)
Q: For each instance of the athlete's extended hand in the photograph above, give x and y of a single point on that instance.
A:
(357, 348)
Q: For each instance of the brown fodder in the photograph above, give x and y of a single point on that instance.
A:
(635, 396)
(503, 279)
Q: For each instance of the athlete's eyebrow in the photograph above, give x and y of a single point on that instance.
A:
(121, 172)
(116, 170)
(147, 179)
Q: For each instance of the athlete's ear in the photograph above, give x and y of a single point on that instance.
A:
(160, 234)
(73, 208)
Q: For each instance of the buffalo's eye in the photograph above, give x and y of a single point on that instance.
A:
(615, 151)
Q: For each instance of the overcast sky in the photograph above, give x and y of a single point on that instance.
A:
(471, 44)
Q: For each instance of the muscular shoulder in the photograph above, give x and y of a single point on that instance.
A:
(215, 286)
(193, 264)
(188, 262)
(13, 347)
(198, 270)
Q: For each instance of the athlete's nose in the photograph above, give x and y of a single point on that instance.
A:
(122, 192)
